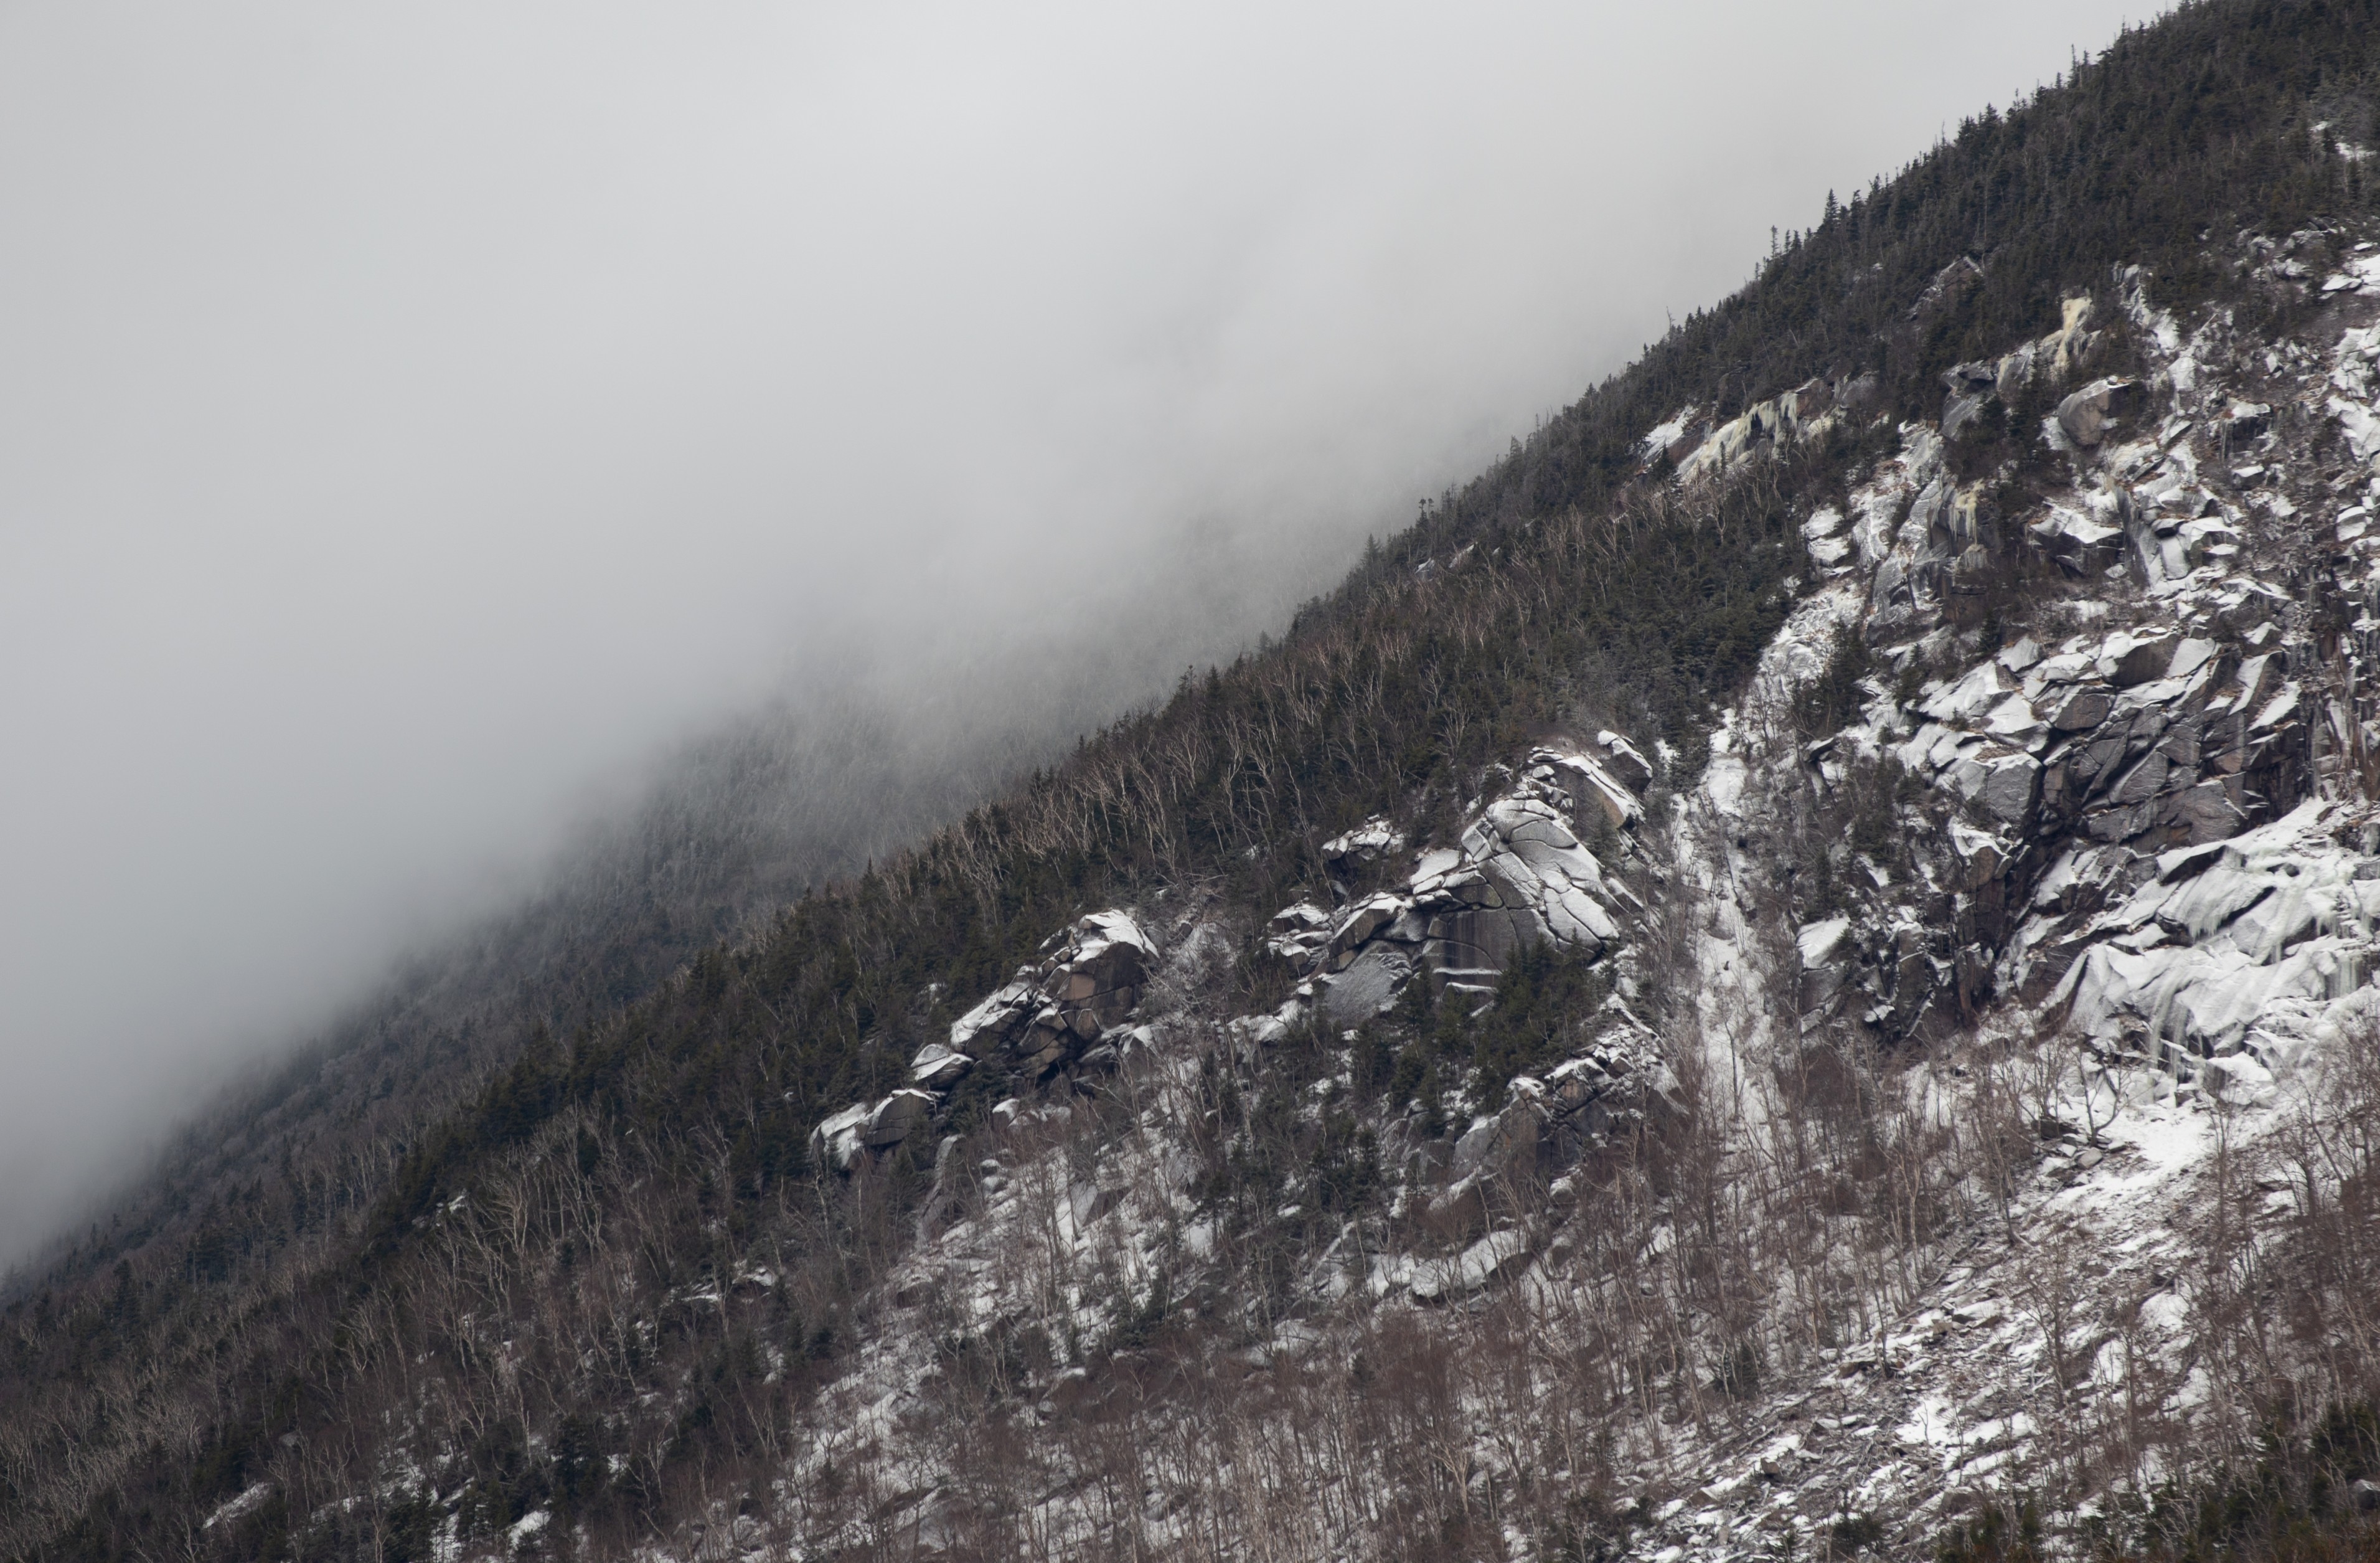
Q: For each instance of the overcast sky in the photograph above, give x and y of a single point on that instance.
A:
(416, 418)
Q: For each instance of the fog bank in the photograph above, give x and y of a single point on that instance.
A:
(418, 422)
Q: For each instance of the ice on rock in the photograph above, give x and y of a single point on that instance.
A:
(871, 1125)
(1830, 546)
(1474, 1268)
(1801, 413)
(1670, 438)
(837, 1139)
(1823, 943)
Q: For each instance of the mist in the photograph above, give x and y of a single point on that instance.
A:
(419, 425)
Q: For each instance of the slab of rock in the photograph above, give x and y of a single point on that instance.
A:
(836, 1141)
(1359, 922)
(896, 1117)
(1505, 1142)
(1593, 782)
(2091, 413)
(991, 1022)
(1090, 981)
(937, 1068)
(2004, 783)
(2081, 711)
(2079, 545)
(1368, 986)
(1484, 939)
(1824, 943)
(2137, 657)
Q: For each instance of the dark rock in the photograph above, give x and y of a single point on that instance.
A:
(2187, 862)
(1483, 940)
(896, 1117)
(2144, 660)
(2143, 782)
(2246, 420)
(1971, 379)
(2096, 760)
(2210, 812)
(2083, 708)
(2119, 824)
(1368, 918)
(2011, 789)
(1624, 761)
(2180, 744)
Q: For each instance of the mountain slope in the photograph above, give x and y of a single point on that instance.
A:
(1640, 1024)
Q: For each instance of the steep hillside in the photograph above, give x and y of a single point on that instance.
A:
(1787, 971)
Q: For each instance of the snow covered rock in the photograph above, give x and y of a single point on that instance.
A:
(1361, 920)
(2227, 943)
(1044, 1018)
(1520, 875)
(871, 1125)
(1373, 839)
(1593, 784)
(1299, 934)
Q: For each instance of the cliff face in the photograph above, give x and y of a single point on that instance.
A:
(1994, 1010)
(1787, 971)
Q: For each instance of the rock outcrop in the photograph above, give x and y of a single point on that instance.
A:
(1520, 874)
(1047, 1018)
(2131, 838)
